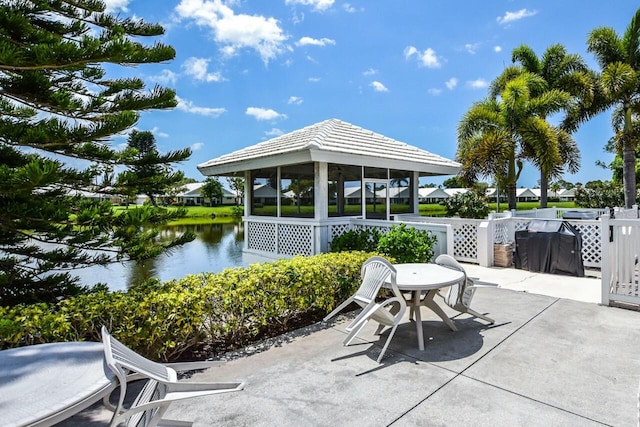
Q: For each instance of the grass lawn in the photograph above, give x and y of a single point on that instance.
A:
(227, 214)
(203, 215)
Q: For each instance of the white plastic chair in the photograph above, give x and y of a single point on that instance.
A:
(375, 272)
(459, 295)
(160, 389)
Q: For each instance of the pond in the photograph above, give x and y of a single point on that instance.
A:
(216, 247)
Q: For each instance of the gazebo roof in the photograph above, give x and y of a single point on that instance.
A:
(332, 141)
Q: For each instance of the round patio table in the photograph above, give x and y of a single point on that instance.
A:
(426, 277)
(46, 383)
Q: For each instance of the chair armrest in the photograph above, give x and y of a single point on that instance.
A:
(184, 390)
(192, 366)
(203, 388)
(485, 285)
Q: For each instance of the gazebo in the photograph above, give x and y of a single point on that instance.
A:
(316, 174)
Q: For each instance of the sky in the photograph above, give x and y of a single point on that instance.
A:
(247, 71)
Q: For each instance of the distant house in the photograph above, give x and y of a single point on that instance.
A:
(353, 195)
(432, 195)
(567, 195)
(264, 194)
(526, 195)
(192, 196)
(397, 195)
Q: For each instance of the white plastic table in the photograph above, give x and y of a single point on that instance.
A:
(44, 384)
(419, 277)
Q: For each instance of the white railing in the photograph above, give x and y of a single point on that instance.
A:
(273, 237)
(465, 234)
(555, 213)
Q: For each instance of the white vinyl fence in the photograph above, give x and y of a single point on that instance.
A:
(620, 255)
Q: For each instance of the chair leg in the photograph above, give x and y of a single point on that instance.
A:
(338, 309)
(354, 332)
(379, 329)
(480, 316)
(386, 344)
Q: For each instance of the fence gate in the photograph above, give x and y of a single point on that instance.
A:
(620, 261)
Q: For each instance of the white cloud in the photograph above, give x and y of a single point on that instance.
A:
(451, 83)
(166, 77)
(236, 32)
(370, 72)
(318, 5)
(497, 49)
(477, 84)
(379, 87)
(314, 79)
(294, 100)
(434, 91)
(197, 68)
(274, 132)
(471, 47)
(197, 146)
(428, 58)
(116, 5)
(264, 113)
(188, 107)
(348, 8)
(156, 131)
(510, 17)
(306, 41)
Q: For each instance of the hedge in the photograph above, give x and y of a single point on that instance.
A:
(210, 312)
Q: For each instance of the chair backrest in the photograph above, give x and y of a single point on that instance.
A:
(123, 361)
(457, 290)
(375, 271)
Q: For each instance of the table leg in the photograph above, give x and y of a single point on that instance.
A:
(416, 306)
(429, 302)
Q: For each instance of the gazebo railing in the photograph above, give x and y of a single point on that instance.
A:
(274, 237)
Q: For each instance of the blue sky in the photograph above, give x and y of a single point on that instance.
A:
(248, 70)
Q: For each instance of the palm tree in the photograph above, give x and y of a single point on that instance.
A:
(619, 83)
(561, 71)
(498, 132)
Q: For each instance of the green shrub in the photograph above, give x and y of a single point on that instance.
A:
(213, 312)
(472, 204)
(363, 239)
(607, 195)
(407, 244)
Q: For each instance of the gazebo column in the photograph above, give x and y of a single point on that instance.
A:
(415, 182)
(248, 201)
(321, 205)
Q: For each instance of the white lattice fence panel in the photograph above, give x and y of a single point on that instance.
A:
(261, 236)
(295, 239)
(465, 241)
(382, 229)
(501, 232)
(591, 252)
(338, 229)
(521, 224)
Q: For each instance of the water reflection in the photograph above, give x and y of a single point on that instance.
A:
(216, 247)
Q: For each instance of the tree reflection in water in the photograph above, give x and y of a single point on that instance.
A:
(216, 247)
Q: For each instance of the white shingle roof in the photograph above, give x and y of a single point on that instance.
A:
(332, 141)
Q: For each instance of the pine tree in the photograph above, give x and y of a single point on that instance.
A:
(58, 111)
(150, 172)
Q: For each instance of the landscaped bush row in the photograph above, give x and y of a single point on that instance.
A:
(204, 312)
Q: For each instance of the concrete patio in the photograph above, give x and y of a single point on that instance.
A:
(554, 358)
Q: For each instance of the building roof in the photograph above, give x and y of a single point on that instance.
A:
(333, 141)
(432, 192)
(454, 191)
(192, 189)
